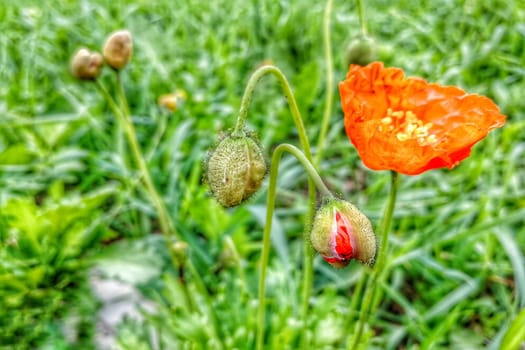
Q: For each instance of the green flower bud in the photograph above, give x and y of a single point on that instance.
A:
(341, 232)
(362, 50)
(118, 49)
(86, 65)
(180, 251)
(235, 169)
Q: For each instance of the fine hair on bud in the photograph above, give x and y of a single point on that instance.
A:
(235, 169)
(118, 49)
(86, 65)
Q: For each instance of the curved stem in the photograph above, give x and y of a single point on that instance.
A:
(270, 205)
(308, 255)
(370, 289)
(329, 82)
(296, 115)
(362, 21)
(288, 93)
(303, 139)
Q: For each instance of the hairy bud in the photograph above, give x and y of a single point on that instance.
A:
(235, 169)
(362, 50)
(341, 232)
(118, 49)
(86, 65)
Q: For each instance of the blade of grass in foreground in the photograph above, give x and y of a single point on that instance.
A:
(517, 260)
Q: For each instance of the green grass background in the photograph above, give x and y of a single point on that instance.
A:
(69, 198)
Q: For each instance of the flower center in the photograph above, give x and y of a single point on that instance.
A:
(407, 126)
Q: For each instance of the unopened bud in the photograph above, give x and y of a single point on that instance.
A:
(86, 65)
(235, 169)
(341, 232)
(118, 49)
(180, 251)
(173, 100)
(362, 50)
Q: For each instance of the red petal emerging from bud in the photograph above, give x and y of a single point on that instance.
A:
(343, 244)
(341, 232)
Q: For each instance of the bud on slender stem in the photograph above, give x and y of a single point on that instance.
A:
(362, 50)
(118, 49)
(86, 65)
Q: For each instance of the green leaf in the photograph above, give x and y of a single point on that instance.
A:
(512, 249)
(134, 262)
(515, 336)
(17, 154)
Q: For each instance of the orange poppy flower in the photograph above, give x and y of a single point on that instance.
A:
(409, 125)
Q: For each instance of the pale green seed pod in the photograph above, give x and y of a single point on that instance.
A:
(362, 50)
(341, 232)
(86, 65)
(118, 49)
(235, 169)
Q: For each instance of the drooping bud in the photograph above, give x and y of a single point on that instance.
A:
(235, 169)
(341, 232)
(86, 65)
(362, 50)
(118, 49)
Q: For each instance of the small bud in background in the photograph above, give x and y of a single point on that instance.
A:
(86, 65)
(341, 232)
(118, 49)
(172, 101)
(235, 169)
(180, 251)
(362, 50)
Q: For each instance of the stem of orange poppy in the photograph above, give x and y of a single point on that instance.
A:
(270, 205)
(371, 285)
(329, 82)
(308, 253)
(361, 12)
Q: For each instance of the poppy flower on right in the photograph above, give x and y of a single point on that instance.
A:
(411, 126)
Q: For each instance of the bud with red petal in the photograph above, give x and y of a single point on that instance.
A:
(341, 232)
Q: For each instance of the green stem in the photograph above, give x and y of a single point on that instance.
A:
(303, 139)
(270, 205)
(129, 130)
(288, 93)
(122, 95)
(370, 290)
(362, 21)
(329, 82)
(356, 297)
(296, 115)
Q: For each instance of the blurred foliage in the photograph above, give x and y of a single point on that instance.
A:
(70, 199)
(42, 267)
